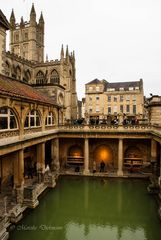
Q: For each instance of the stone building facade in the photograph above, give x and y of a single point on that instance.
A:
(104, 99)
(25, 62)
(33, 134)
(154, 110)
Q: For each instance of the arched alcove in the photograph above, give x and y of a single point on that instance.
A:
(133, 158)
(103, 153)
(75, 154)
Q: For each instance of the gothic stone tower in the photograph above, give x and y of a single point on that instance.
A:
(55, 78)
(27, 38)
(4, 25)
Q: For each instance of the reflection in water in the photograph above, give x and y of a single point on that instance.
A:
(88, 208)
(102, 232)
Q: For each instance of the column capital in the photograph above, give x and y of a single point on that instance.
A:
(121, 138)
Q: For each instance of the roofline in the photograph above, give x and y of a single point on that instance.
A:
(27, 99)
(5, 23)
(21, 96)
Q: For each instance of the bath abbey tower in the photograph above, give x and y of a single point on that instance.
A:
(42, 137)
(25, 62)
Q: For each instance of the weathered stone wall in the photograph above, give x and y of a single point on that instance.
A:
(2, 48)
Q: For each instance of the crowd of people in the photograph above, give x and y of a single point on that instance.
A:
(109, 121)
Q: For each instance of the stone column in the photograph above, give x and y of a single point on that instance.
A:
(19, 176)
(40, 160)
(86, 156)
(120, 158)
(55, 165)
(19, 169)
(153, 150)
(153, 155)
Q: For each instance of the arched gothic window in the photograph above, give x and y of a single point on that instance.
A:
(32, 119)
(14, 72)
(7, 69)
(60, 99)
(40, 78)
(27, 76)
(18, 73)
(50, 120)
(54, 77)
(7, 119)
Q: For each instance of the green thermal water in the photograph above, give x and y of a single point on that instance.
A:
(93, 209)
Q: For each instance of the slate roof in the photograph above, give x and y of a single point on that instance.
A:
(95, 81)
(3, 21)
(15, 88)
(124, 85)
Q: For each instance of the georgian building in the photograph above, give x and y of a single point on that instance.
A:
(104, 99)
(35, 97)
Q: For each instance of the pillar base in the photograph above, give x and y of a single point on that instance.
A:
(120, 173)
(19, 194)
(31, 203)
(86, 172)
(30, 197)
(16, 214)
(49, 180)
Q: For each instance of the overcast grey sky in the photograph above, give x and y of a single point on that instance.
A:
(116, 40)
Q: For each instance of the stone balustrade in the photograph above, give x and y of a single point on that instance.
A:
(13, 137)
(105, 127)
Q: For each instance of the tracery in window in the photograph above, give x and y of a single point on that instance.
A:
(7, 69)
(18, 72)
(54, 77)
(40, 78)
(27, 76)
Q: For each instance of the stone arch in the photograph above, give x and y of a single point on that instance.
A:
(8, 68)
(18, 72)
(27, 76)
(54, 77)
(40, 78)
(103, 153)
(132, 152)
(75, 156)
(14, 72)
(18, 117)
(75, 151)
(60, 98)
(9, 118)
(133, 158)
